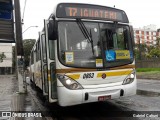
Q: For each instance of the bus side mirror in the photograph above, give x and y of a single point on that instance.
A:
(52, 30)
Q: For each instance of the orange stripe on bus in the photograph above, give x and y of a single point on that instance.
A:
(117, 73)
(74, 76)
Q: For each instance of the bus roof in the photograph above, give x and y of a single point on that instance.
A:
(89, 11)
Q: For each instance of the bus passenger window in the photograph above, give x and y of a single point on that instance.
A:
(122, 38)
(110, 38)
(116, 40)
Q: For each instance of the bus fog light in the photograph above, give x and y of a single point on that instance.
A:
(69, 82)
(74, 86)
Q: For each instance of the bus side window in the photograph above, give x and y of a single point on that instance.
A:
(38, 51)
(44, 53)
(51, 49)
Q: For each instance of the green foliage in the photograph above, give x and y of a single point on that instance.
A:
(27, 44)
(140, 51)
(2, 56)
(143, 51)
(158, 42)
(155, 53)
(136, 54)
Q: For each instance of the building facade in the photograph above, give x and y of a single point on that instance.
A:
(6, 64)
(147, 35)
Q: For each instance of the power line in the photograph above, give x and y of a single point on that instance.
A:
(28, 28)
(24, 10)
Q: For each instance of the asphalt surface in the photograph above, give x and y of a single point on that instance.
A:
(148, 85)
(145, 102)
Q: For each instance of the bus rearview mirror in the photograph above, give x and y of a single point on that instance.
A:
(52, 30)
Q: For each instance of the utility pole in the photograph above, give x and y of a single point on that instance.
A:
(19, 47)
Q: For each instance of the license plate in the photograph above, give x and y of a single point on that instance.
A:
(103, 98)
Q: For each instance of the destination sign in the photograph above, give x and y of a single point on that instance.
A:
(86, 11)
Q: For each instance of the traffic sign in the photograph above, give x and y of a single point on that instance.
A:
(6, 9)
(6, 22)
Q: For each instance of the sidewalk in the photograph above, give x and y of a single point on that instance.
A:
(8, 86)
(11, 101)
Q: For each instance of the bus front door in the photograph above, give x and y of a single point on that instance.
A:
(44, 67)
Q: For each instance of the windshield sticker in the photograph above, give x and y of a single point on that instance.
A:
(122, 54)
(99, 63)
(110, 55)
(131, 54)
(69, 57)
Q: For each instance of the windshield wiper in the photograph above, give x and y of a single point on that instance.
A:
(85, 32)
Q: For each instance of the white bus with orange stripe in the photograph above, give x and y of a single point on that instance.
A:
(84, 54)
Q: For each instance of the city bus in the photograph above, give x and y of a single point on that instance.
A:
(84, 54)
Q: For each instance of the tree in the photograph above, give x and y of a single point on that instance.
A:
(143, 51)
(140, 51)
(2, 56)
(27, 45)
(158, 42)
(155, 53)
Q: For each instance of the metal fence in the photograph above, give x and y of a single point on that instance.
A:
(148, 63)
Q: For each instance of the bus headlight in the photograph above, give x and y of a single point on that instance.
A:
(69, 82)
(129, 79)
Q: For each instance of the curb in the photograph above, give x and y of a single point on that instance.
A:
(148, 78)
(148, 93)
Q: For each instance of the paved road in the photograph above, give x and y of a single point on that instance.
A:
(148, 85)
(123, 107)
(105, 110)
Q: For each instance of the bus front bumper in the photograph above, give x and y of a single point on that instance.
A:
(68, 97)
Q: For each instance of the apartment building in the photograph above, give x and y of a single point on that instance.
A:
(147, 35)
(6, 65)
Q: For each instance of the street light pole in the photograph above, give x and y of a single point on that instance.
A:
(19, 48)
(28, 28)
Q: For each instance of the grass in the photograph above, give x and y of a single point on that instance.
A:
(147, 69)
(148, 73)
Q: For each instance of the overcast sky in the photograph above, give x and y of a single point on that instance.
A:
(140, 12)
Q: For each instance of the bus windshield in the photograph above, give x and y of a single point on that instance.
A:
(106, 45)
